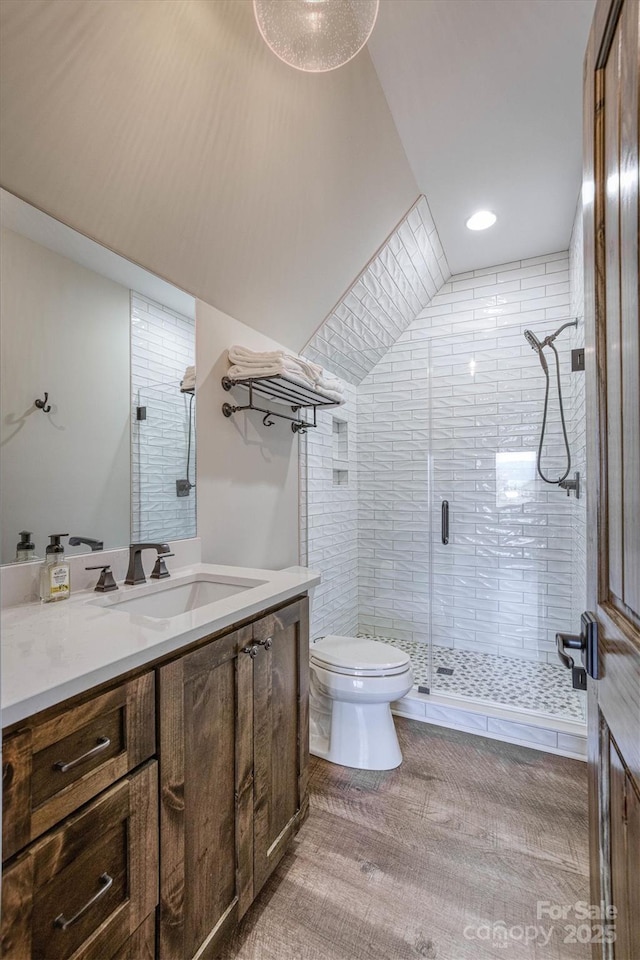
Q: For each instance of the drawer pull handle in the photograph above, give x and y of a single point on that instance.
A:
(105, 883)
(102, 744)
(267, 644)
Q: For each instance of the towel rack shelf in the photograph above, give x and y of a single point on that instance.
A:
(284, 391)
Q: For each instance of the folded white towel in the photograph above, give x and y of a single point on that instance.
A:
(188, 381)
(330, 383)
(277, 369)
(244, 357)
(247, 363)
(334, 395)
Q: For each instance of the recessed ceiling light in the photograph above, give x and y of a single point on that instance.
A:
(481, 220)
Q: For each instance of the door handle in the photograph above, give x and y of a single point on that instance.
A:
(587, 643)
(445, 521)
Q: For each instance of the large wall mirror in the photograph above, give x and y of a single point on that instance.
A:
(97, 418)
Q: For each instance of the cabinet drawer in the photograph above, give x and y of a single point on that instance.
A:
(53, 767)
(83, 889)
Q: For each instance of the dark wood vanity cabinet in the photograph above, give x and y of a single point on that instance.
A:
(233, 768)
(216, 741)
(80, 827)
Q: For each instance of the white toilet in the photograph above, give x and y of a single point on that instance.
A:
(352, 685)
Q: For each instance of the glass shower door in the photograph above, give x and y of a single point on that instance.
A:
(501, 578)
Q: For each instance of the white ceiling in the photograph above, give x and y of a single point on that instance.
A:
(487, 98)
(21, 217)
(170, 133)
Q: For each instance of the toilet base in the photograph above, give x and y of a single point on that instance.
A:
(359, 735)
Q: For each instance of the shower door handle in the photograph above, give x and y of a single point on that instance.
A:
(445, 521)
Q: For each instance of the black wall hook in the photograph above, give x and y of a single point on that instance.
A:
(42, 404)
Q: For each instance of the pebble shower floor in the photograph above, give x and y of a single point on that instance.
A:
(543, 688)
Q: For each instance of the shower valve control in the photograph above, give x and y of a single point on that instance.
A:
(587, 643)
(570, 485)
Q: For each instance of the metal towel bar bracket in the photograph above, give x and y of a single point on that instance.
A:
(286, 391)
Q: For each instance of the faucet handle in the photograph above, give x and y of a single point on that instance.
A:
(160, 571)
(105, 583)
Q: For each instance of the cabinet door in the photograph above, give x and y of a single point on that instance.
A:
(84, 888)
(206, 795)
(280, 733)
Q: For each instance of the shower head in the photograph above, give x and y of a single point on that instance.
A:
(535, 344)
(532, 340)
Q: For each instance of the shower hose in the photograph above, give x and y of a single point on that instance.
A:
(544, 423)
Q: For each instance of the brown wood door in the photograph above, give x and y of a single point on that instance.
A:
(610, 206)
(280, 733)
(206, 795)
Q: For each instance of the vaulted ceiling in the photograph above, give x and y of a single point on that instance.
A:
(171, 134)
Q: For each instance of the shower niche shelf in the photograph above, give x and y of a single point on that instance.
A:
(283, 391)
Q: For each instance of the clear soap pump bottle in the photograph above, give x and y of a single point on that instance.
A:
(26, 549)
(55, 576)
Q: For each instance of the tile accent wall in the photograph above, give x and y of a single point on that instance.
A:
(463, 375)
(162, 346)
(329, 517)
(394, 287)
(462, 379)
(578, 425)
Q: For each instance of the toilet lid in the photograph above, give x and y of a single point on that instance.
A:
(358, 655)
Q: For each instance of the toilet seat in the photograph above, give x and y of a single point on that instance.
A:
(358, 657)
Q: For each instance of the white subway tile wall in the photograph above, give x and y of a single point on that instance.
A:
(162, 346)
(329, 517)
(398, 282)
(453, 410)
(463, 383)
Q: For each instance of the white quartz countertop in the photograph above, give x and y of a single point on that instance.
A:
(54, 651)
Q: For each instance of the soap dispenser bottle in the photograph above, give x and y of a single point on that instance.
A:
(25, 550)
(55, 576)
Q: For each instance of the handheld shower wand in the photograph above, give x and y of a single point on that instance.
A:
(535, 344)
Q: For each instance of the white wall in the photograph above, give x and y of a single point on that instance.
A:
(65, 330)
(247, 476)
(503, 583)
(460, 386)
(169, 132)
(329, 518)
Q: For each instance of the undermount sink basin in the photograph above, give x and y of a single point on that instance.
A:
(173, 600)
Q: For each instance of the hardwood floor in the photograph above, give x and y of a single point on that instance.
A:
(424, 861)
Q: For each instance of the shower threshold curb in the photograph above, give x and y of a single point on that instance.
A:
(566, 738)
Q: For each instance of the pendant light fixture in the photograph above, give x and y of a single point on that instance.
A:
(315, 35)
